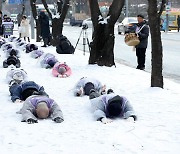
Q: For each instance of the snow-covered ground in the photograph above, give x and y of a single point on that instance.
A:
(157, 130)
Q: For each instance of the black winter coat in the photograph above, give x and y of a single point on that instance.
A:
(44, 24)
(143, 35)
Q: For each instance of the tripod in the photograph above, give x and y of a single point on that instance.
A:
(85, 38)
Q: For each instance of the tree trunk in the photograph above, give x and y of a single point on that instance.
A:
(35, 16)
(57, 23)
(156, 44)
(102, 47)
(102, 50)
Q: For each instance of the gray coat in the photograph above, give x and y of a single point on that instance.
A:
(99, 106)
(30, 104)
(19, 72)
(46, 58)
(81, 83)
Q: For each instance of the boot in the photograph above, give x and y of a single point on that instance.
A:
(45, 42)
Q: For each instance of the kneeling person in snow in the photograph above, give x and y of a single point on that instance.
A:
(61, 70)
(40, 107)
(85, 85)
(111, 105)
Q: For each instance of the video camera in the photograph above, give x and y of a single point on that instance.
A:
(84, 26)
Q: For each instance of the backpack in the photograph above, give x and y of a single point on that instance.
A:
(64, 46)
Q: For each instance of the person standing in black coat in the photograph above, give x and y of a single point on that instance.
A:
(1, 30)
(178, 22)
(45, 29)
(142, 31)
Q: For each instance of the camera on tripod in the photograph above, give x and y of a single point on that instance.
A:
(84, 26)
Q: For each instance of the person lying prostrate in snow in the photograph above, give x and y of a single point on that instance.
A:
(19, 92)
(41, 107)
(85, 85)
(48, 60)
(61, 70)
(12, 60)
(16, 75)
(109, 106)
(31, 47)
(37, 53)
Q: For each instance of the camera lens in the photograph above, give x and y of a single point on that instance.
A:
(84, 26)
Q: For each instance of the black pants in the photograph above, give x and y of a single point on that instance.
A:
(141, 55)
(178, 27)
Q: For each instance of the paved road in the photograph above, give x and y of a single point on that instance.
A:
(125, 54)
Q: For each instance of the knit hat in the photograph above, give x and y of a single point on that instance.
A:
(61, 70)
(51, 63)
(140, 15)
(114, 106)
(42, 110)
(87, 88)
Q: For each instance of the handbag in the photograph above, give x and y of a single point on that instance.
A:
(131, 39)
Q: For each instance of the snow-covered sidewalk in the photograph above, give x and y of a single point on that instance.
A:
(157, 130)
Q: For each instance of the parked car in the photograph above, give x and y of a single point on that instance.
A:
(128, 24)
(88, 22)
(75, 22)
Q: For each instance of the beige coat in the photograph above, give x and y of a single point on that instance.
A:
(25, 28)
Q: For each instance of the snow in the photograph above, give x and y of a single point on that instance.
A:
(157, 130)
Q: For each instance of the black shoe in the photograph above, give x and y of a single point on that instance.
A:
(142, 68)
(44, 46)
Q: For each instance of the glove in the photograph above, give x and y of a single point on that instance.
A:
(31, 121)
(105, 120)
(58, 120)
(18, 101)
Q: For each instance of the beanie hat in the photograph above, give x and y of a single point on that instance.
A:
(42, 110)
(114, 106)
(87, 88)
(61, 70)
(140, 15)
(28, 92)
(51, 63)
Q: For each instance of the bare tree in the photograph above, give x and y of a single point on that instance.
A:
(57, 19)
(154, 22)
(102, 46)
(35, 16)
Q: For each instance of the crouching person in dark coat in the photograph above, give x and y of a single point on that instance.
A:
(19, 92)
(41, 107)
(12, 60)
(111, 105)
